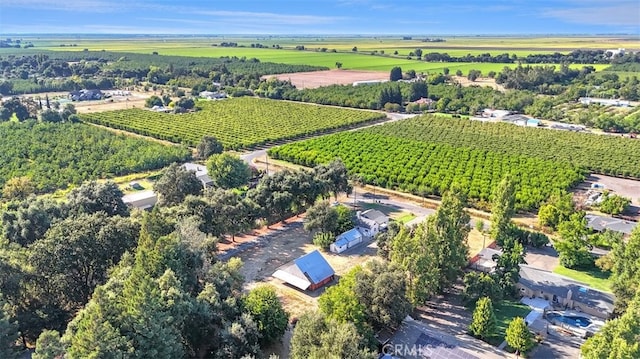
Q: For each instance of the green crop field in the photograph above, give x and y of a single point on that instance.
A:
(238, 123)
(56, 155)
(361, 60)
(403, 157)
(425, 155)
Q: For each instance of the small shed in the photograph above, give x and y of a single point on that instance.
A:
(308, 272)
(532, 122)
(346, 240)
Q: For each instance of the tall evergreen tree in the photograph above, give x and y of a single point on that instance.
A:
(483, 324)
(502, 209)
(625, 274)
(518, 335)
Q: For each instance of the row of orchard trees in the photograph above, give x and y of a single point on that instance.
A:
(425, 169)
(54, 155)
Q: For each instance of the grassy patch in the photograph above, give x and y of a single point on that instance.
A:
(505, 312)
(404, 217)
(595, 278)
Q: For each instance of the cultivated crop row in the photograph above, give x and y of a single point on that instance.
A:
(55, 155)
(604, 154)
(424, 168)
(238, 123)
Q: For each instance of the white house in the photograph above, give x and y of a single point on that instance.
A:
(201, 173)
(604, 101)
(141, 200)
(615, 52)
(346, 240)
(491, 113)
(213, 95)
(372, 222)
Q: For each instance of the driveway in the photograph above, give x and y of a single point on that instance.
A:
(545, 258)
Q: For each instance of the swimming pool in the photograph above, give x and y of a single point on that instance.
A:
(574, 320)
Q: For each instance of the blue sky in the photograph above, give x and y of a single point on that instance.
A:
(320, 16)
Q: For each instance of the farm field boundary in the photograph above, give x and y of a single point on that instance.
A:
(238, 123)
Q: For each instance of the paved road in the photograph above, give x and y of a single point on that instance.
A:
(385, 200)
(250, 157)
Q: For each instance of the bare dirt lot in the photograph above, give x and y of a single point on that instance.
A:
(480, 81)
(621, 186)
(315, 79)
(135, 100)
(286, 244)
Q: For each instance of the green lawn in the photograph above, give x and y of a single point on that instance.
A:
(364, 204)
(404, 217)
(505, 312)
(594, 278)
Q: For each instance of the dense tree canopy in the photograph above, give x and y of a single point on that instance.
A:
(316, 337)
(92, 197)
(483, 324)
(263, 305)
(228, 171)
(625, 273)
(435, 252)
(56, 155)
(208, 146)
(518, 335)
(176, 184)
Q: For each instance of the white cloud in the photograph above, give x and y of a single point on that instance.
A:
(267, 17)
(621, 13)
(64, 5)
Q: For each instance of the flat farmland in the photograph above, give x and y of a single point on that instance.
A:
(360, 60)
(522, 45)
(315, 79)
(237, 123)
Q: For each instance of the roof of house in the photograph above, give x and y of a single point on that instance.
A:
(375, 215)
(425, 342)
(138, 196)
(515, 118)
(198, 169)
(485, 258)
(351, 235)
(292, 275)
(601, 223)
(306, 270)
(547, 282)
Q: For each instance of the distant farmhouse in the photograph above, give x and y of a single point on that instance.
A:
(372, 221)
(308, 272)
(491, 113)
(521, 120)
(604, 102)
(201, 173)
(368, 82)
(85, 95)
(209, 95)
(615, 52)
